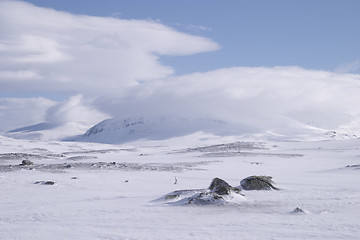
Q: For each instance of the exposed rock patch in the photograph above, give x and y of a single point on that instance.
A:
(219, 192)
(45, 182)
(61, 167)
(19, 156)
(355, 166)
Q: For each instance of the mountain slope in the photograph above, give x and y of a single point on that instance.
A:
(303, 127)
(48, 131)
(156, 127)
(118, 130)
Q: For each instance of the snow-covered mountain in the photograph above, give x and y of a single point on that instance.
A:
(48, 131)
(302, 127)
(157, 127)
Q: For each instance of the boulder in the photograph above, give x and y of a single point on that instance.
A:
(219, 192)
(221, 187)
(258, 183)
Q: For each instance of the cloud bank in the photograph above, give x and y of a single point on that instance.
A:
(112, 68)
(20, 112)
(262, 97)
(78, 53)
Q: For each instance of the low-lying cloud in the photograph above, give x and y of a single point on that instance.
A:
(75, 109)
(20, 112)
(241, 93)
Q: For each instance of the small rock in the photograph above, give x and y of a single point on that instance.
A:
(217, 193)
(74, 178)
(26, 163)
(45, 182)
(298, 210)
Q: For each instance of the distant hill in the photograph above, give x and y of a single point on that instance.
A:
(119, 130)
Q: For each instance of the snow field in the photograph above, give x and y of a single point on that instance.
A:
(119, 204)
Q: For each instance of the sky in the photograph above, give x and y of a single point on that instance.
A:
(226, 59)
(318, 34)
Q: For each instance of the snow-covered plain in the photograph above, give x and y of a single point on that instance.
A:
(117, 191)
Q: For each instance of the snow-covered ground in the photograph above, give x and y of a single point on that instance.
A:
(115, 191)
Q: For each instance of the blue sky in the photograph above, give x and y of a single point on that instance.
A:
(320, 34)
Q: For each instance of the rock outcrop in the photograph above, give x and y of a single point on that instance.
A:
(221, 187)
(219, 192)
(258, 183)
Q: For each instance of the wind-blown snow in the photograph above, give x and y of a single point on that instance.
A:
(94, 198)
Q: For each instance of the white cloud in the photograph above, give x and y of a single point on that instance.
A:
(198, 28)
(23, 112)
(20, 112)
(256, 96)
(19, 75)
(74, 109)
(351, 67)
(268, 99)
(84, 54)
(36, 49)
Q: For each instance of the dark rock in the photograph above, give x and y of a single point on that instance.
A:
(221, 187)
(356, 166)
(258, 183)
(26, 163)
(45, 182)
(219, 192)
(205, 198)
(298, 210)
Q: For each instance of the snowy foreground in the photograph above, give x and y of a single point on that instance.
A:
(117, 191)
